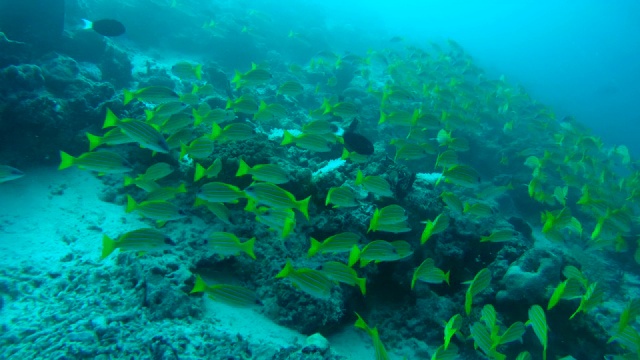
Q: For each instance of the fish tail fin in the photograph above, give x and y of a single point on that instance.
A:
(362, 284)
(66, 160)
(289, 224)
(328, 199)
(287, 138)
(197, 118)
(199, 202)
(200, 172)
(361, 324)
(354, 255)
(128, 96)
(326, 107)
(303, 206)
(199, 286)
(86, 24)
(243, 168)
(373, 224)
(131, 204)
(236, 79)
(383, 117)
(149, 114)
(345, 154)
(314, 248)
(128, 180)
(288, 269)
(229, 104)
(216, 131)
(197, 71)
(247, 247)
(414, 279)
(108, 246)
(359, 177)
(94, 141)
(446, 277)
(110, 119)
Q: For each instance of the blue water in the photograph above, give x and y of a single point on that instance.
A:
(578, 56)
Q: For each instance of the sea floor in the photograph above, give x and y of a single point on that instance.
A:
(59, 300)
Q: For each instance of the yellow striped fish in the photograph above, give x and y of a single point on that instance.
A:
(311, 142)
(538, 320)
(160, 211)
(273, 196)
(290, 88)
(199, 148)
(390, 218)
(232, 132)
(229, 294)
(375, 184)
(137, 240)
(151, 94)
(342, 273)
(245, 104)
(429, 273)
(435, 226)
(263, 172)
(225, 243)
(280, 220)
(216, 116)
(166, 193)
(8, 173)
(480, 282)
(341, 196)
(164, 111)
(111, 137)
(217, 209)
(220, 192)
(254, 77)
(174, 141)
(176, 122)
(144, 134)
(103, 162)
(154, 172)
(337, 243)
(380, 251)
(499, 236)
(212, 171)
(462, 175)
(313, 282)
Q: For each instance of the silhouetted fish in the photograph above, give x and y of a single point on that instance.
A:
(106, 27)
(356, 142)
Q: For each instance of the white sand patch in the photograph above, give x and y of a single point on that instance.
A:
(253, 326)
(49, 213)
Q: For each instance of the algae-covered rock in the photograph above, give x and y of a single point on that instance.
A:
(21, 78)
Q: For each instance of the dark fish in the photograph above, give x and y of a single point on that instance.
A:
(105, 27)
(356, 142)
